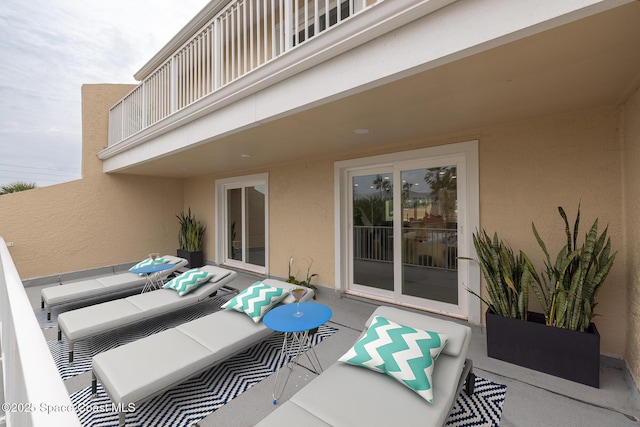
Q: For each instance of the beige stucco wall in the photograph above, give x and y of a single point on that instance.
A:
(631, 126)
(527, 170)
(99, 220)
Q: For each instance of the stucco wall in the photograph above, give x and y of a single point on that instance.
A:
(631, 126)
(99, 220)
(301, 211)
(527, 170)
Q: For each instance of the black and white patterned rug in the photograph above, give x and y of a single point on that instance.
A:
(482, 408)
(198, 397)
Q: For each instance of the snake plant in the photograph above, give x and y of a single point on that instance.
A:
(191, 232)
(508, 276)
(567, 289)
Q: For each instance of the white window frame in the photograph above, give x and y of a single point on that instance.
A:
(470, 222)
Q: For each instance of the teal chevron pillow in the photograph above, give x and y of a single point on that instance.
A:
(148, 262)
(188, 281)
(405, 354)
(256, 300)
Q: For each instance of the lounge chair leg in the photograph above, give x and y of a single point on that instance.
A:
(59, 334)
(70, 352)
(49, 314)
(41, 303)
(94, 385)
(471, 383)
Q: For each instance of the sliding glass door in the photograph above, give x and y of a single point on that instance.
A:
(430, 233)
(372, 232)
(243, 208)
(406, 224)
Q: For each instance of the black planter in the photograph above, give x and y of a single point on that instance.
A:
(571, 355)
(196, 259)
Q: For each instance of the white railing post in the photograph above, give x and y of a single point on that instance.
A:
(173, 86)
(217, 54)
(143, 105)
(288, 25)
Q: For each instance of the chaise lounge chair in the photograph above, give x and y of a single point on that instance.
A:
(101, 286)
(347, 395)
(95, 319)
(141, 369)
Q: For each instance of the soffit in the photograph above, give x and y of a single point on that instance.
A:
(589, 63)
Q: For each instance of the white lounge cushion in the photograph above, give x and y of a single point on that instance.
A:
(88, 321)
(158, 361)
(80, 290)
(101, 286)
(134, 371)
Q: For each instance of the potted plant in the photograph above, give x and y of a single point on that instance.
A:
(561, 341)
(508, 277)
(190, 239)
(307, 282)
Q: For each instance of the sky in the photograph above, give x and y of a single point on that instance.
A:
(48, 50)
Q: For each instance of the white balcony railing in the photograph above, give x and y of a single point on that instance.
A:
(243, 36)
(34, 393)
(427, 247)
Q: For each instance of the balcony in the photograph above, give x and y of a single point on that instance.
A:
(30, 374)
(242, 37)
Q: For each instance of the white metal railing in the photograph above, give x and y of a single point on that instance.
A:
(241, 37)
(34, 393)
(428, 247)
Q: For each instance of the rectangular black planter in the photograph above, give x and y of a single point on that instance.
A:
(560, 352)
(196, 259)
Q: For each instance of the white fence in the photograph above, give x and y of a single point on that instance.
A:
(427, 247)
(34, 393)
(243, 36)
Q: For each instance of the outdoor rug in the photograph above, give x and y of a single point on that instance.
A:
(482, 408)
(196, 398)
(85, 350)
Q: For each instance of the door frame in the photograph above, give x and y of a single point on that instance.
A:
(222, 185)
(470, 220)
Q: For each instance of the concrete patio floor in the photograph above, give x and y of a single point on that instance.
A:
(533, 398)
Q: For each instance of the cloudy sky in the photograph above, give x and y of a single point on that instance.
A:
(49, 49)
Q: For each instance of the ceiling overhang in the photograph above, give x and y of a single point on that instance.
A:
(592, 62)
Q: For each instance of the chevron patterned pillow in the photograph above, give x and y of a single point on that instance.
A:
(256, 300)
(148, 262)
(188, 281)
(405, 354)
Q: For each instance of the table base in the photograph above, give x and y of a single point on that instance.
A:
(154, 281)
(304, 345)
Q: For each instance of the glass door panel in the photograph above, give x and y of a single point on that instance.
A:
(429, 251)
(372, 235)
(255, 227)
(234, 220)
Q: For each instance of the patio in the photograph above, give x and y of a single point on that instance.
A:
(533, 398)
